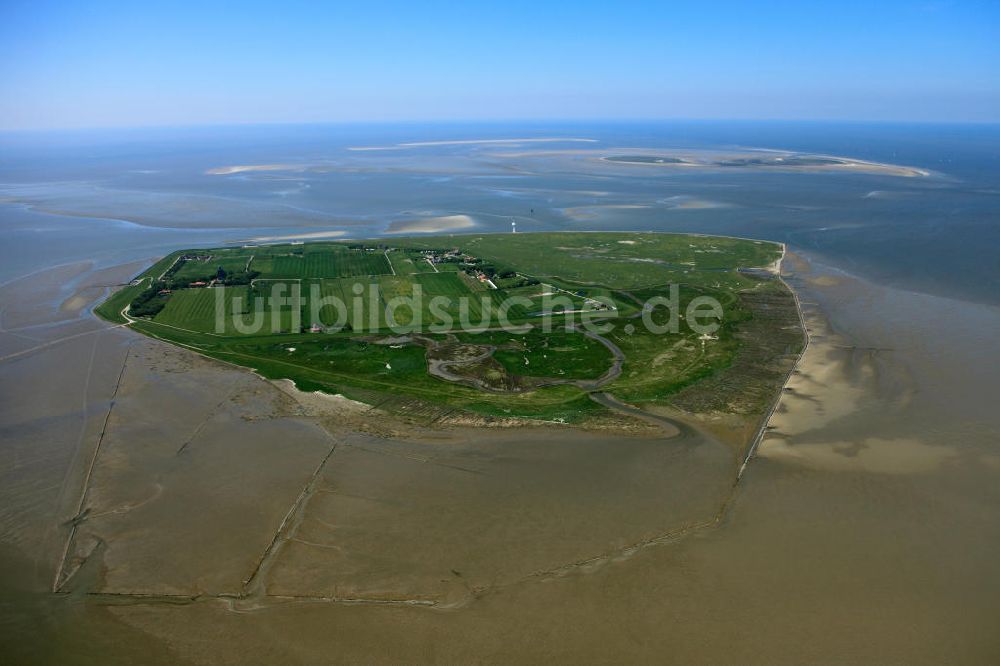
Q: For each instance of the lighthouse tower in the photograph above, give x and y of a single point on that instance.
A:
(513, 226)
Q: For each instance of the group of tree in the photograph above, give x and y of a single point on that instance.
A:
(523, 282)
(238, 279)
(169, 273)
(488, 270)
(220, 275)
(149, 302)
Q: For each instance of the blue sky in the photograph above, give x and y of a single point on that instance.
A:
(141, 63)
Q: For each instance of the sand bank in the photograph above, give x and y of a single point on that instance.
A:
(241, 168)
(430, 225)
(312, 235)
(756, 159)
(596, 212)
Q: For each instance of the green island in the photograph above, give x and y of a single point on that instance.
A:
(525, 349)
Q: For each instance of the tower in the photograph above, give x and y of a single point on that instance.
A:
(513, 226)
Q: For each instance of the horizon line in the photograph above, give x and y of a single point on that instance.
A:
(493, 121)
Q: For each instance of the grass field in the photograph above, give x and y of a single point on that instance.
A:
(195, 310)
(207, 269)
(624, 269)
(408, 263)
(560, 353)
(330, 263)
(361, 299)
(623, 261)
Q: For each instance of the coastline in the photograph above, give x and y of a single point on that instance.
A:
(765, 422)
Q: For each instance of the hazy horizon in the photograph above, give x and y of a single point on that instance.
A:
(456, 126)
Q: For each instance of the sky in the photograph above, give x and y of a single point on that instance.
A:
(146, 63)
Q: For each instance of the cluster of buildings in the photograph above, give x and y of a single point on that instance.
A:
(449, 256)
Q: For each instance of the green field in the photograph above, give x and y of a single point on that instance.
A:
(408, 263)
(328, 263)
(533, 370)
(206, 269)
(559, 353)
(619, 260)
